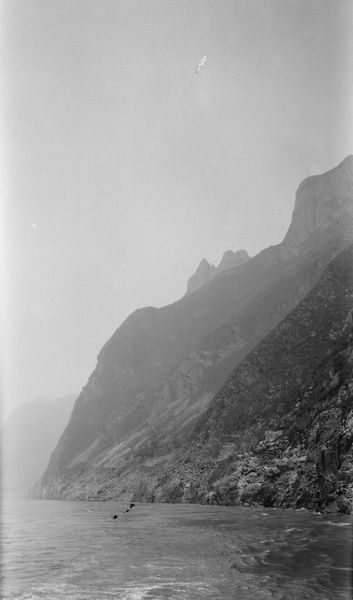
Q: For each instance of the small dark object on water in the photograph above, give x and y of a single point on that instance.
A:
(125, 511)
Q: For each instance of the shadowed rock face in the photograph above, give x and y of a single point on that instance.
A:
(157, 375)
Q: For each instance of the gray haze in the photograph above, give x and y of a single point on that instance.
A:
(122, 170)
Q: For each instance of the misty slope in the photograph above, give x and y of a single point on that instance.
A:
(280, 432)
(158, 373)
(28, 439)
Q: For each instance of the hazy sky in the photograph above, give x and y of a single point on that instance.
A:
(121, 170)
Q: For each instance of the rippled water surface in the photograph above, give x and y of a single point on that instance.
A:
(55, 550)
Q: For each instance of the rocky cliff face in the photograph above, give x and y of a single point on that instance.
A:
(280, 432)
(323, 203)
(157, 375)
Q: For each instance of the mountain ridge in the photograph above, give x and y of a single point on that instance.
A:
(161, 366)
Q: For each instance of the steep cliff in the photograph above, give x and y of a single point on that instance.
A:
(157, 375)
(280, 432)
(323, 203)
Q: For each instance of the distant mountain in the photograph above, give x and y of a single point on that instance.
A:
(28, 439)
(156, 377)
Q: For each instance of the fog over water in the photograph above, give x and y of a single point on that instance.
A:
(122, 169)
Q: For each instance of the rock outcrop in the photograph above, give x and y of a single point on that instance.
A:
(205, 272)
(202, 276)
(156, 377)
(323, 203)
(231, 260)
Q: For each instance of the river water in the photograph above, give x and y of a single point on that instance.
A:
(56, 550)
